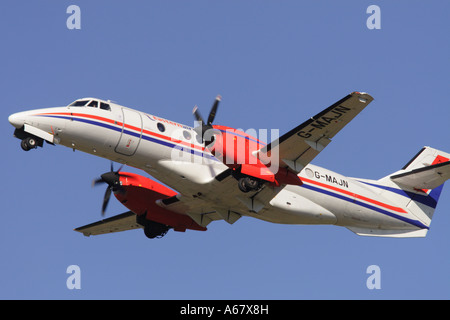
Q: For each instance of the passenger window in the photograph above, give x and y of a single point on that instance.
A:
(187, 135)
(93, 104)
(161, 127)
(104, 106)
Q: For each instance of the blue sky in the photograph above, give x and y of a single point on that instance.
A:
(275, 63)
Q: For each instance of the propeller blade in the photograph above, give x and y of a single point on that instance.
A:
(120, 168)
(98, 181)
(106, 199)
(203, 128)
(212, 113)
(197, 115)
(112, 179)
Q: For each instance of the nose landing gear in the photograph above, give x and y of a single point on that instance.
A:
(29, 143)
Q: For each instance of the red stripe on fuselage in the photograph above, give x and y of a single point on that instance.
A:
(127, 126)
(357, 196)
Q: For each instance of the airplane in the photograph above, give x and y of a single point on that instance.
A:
(212, 172)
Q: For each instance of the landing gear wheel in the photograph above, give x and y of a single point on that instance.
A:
(242, 186)
(247, 184)
(155, 230)
(28, 143)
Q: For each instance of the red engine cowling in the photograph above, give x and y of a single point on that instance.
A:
(140, 196)
(235, 149)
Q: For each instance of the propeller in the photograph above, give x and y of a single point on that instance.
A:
(201, 130)
(112, 179)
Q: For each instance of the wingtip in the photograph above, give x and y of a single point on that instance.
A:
(367, 96)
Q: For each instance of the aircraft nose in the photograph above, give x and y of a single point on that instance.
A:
(17, 119)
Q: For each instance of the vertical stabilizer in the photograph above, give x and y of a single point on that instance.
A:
(418, 185)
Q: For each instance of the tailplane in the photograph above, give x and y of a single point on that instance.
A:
(418, 185)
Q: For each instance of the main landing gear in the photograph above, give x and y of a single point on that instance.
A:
(152, 229)
(247, 184)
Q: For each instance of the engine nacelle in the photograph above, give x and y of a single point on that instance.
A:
(233, 147)
(140, 196)
(236, 148)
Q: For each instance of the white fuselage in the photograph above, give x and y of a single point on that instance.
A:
(170, 152)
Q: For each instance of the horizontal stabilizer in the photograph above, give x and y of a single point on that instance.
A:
(428, 177)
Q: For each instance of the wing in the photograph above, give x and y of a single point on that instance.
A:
(302, 144)
(121, 222)
(206, 206)
(221, 199)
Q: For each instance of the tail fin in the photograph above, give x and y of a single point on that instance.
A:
(418, 185)
(426, 157)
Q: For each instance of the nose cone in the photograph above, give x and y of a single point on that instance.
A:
(17, 119)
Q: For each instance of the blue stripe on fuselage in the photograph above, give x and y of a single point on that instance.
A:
(135, 134)
(429, 200)
(415, 223)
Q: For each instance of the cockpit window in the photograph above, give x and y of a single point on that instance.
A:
(104, 106)
(93, 103)
(79, 103)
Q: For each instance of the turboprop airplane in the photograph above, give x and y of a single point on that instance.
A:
(220, 173)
